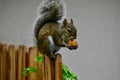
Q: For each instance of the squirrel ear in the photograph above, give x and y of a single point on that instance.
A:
(71, 21)
(65, 22)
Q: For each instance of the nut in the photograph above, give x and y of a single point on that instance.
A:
(73, 43)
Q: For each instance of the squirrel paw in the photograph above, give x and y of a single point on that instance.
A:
(72, 47)
(52, 57)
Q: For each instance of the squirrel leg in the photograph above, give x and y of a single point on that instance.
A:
(46, 46)
(51, 47)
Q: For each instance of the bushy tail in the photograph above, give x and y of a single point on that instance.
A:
(49, 11)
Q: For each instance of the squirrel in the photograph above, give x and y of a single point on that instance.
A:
(50, 34)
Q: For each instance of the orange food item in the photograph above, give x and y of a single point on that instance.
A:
(73, 43)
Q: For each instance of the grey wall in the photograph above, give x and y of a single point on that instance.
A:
(98, 24)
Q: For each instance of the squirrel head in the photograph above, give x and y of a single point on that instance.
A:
(70, 32)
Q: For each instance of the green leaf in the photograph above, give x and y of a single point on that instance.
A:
(67, 74)
(39, 58)
(25, 72)
(32, 69)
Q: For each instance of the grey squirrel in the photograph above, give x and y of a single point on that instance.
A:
(50, 34)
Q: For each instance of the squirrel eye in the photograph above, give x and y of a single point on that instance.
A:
(68, 30)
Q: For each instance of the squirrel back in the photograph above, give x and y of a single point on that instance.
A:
(49, 11)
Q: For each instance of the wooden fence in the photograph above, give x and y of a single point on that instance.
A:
(14, 59)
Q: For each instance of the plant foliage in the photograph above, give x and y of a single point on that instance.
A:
(66, 73)
(30, 69)
(39, 58)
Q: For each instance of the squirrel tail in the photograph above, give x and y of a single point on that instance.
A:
(49, 11)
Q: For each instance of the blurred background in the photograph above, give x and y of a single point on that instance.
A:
(98, 25)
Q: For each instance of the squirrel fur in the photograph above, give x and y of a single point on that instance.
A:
(50, 34)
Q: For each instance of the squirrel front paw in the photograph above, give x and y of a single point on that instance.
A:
(52, 57)
(72, 47)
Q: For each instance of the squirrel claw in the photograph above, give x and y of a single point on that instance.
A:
(72, 47)
(52, 57)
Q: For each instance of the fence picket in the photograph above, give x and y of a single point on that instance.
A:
(52, 64)
(4, 63)
(41, 70)
(31, 62)
(58, 67)
(22, 53)
(47, 68)
(13, 53)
